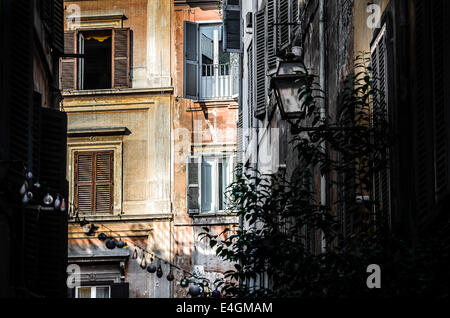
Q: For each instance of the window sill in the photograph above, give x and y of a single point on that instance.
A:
(113, 91)
(122, 217)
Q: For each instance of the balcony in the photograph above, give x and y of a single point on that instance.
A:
(218, 81)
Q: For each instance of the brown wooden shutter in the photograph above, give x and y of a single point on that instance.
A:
(193, 185)
(260, 65)
(94, 182)
(84, 182)
(104, 182)
(251, 93)
(68, 69)
(121, 58)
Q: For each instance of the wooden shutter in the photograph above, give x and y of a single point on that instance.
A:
(251, 81)
(18, 68)
(68, 70)
(283, 28)
(53, 148)
(193, 184)
(380, 110)
(270, 20)
(294, 18)
(441, 97)
(422, 116)
(260, 64)
(121, 58)
(58, 25)
(94, 186)
(104, 182)
(191, 60)
(84, 182)
(232, 26)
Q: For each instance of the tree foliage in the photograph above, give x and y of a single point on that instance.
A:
(285, 223)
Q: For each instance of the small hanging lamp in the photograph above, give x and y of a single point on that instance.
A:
(143, 261)
(111, 243)
(135, 253)
(170, 276)
(121, 243)
(159, 271)
(184, 282)
(48, 199)
(102, 237)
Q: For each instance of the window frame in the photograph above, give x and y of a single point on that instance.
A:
(198, 76)
(230, 157)
(93, 288)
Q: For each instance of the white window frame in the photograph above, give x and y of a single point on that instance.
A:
(93, 290)
(216, 157)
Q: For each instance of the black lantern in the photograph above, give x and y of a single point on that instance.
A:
(151, 268)
(120, 244)
(102, 237)
(286, 83)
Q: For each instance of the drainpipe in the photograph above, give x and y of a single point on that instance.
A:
(323, 111)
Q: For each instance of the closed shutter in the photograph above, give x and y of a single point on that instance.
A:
(232, 26)
(103, 182)
(120, 290)
(52, 254)
(260, 65)
(19, 81)
(294, 19)
(68, 79)
(379, 59)
(191, 60)
(271, 52)
(58, 25)
(94, 186)
(53, 147)
(37, 105)
(240, 137)
(84, 182)
(121, 58)
(283, 26)
(422, 117)
(251, 88)
(193, 185)
(440, 40)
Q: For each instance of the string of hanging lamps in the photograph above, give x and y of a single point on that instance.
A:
(196, 289)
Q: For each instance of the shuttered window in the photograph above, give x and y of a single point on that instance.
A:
(282, 23)
(193, 185)
(109, 61)
(232, 26)
(94, 182)
(270, 21)
(260, 64)
(191, 60)
(380, 111)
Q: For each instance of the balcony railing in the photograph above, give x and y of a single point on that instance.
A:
(216, 81)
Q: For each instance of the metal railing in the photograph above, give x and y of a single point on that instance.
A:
(216, 81)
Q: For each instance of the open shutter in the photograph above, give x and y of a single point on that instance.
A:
(260, 64)
(282, 20)
(294, 18)
(84, 182)
(104, 182)
(270, 18)
(441, 97)
(68, 76)
(232, 26)
(58, 25)
(121, 58)
(379, 58)
(191, 60)
(53, 149)
(193, 184)
(251, 91)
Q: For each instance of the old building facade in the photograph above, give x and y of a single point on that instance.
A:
(404, 40)
(132, 131)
